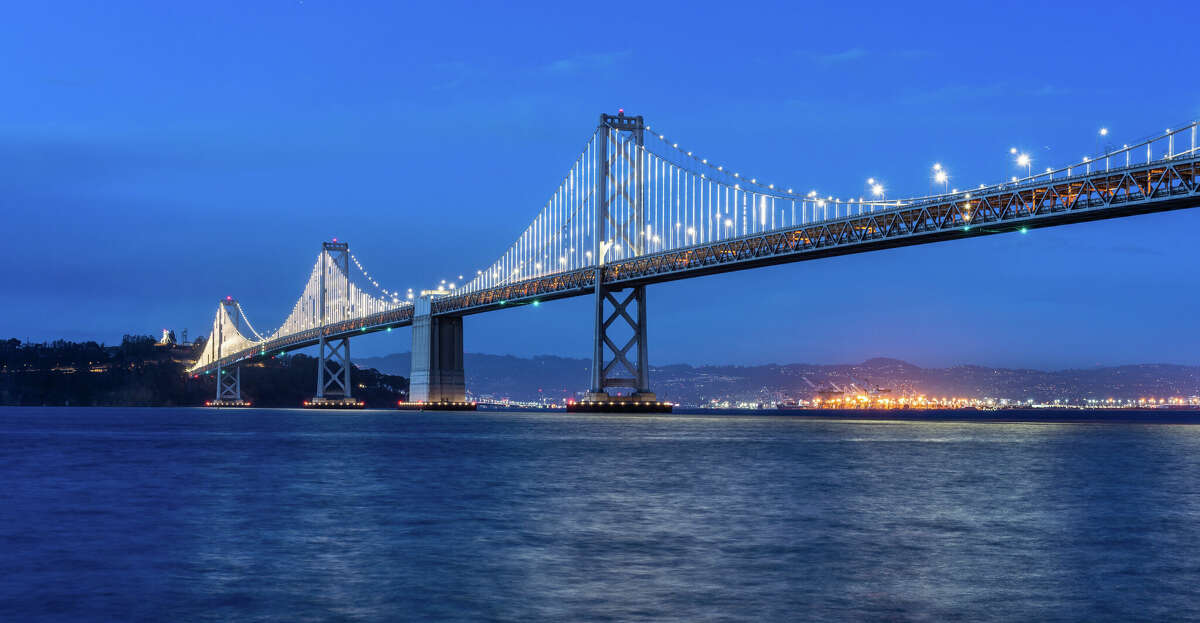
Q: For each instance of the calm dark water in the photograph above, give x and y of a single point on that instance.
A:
(280, 515)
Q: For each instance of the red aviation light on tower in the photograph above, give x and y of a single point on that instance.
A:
(229, 298)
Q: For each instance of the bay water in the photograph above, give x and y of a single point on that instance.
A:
(292, 515)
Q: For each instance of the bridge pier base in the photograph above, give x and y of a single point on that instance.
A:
(437, 358)
(333, 377)
(617, 366)
(229, 388)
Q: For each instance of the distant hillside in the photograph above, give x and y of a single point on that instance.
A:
(140, 372)
(521, 378)
(505, 376)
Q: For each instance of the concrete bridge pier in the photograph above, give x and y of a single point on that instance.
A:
(437, 358)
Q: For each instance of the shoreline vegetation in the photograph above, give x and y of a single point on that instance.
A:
(143, 372)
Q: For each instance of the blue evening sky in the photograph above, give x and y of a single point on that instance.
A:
(155, 156)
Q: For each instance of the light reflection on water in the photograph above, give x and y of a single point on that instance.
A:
(288, 515)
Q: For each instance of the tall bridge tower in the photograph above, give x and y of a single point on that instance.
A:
(619, 349)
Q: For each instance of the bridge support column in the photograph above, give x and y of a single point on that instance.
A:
(437, 357)
(333, 369)
(626, 365)
(229, 384)
(333, 377)
(229, 388)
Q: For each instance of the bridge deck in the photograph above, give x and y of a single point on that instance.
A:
(1159, 186)
(1165, 184)
(383, 321)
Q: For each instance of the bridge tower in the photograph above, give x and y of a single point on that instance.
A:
(333, 356)
(620, 233)
(229, 380)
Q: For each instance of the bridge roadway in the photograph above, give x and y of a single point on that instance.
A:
(383, 321)
(1162, 185)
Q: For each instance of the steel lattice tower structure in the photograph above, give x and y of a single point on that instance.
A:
(229, 386)
(620, 220)
(333, 364)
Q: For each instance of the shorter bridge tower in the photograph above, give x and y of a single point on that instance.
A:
(334, 390)
(229, 379)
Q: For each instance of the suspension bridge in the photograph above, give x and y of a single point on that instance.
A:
(635, 209)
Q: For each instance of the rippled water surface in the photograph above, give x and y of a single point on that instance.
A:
(282, 515)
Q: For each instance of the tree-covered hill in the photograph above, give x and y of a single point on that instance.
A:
(141, 372)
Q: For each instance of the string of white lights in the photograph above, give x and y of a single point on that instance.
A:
(559, 237)
(659, 197)
(387, 294)
(344, 300)
(242, 312)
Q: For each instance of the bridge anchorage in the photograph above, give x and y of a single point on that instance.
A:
(634, 210)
